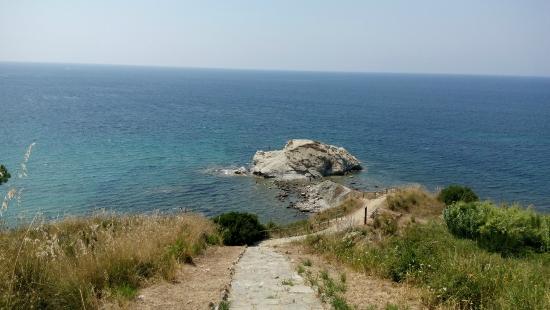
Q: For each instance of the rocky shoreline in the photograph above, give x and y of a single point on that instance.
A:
(299, 171)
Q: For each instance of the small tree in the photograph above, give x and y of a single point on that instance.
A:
(455, 193)
(239, 228)
(4, 174)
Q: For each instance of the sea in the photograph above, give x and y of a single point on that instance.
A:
(79, 139)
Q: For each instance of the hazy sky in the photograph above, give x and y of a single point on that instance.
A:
(431, 36)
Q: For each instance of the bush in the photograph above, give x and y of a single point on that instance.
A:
(465, 219)
(4, 174)
(454, 193)
(238, 228)
(509, 230)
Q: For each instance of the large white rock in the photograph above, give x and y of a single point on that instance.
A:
(303, 159)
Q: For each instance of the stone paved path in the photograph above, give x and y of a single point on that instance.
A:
(265, 279)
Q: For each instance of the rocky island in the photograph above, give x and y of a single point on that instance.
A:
(299, 168)
(303, 159)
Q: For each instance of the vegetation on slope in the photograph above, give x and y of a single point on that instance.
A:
(75, 263)
(474, 256)
(4, 174)
(452, 271)
(506, 229)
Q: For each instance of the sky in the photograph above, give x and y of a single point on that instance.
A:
(496, 37)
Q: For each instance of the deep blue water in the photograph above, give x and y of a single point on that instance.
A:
(138, 139)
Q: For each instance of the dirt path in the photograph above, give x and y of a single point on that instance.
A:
(352, 220)
(195, 286)
(357, 217)
(265, 279)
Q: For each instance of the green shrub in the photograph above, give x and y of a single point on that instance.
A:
(224, 305)
(509, 230)
(238, 228)
(4, 174)
(454, 193)
(339, 303)
(464, 219)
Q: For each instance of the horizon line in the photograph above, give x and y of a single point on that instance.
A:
(271, 69)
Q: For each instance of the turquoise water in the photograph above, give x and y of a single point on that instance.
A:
(135, 139)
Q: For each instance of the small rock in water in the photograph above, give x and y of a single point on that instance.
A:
(240, 171)
(282, 196)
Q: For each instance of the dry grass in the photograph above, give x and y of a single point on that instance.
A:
(77, 262)
(413, 204)
(404, 206)
(415, 200)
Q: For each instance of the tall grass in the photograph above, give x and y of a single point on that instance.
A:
(415, 200)
(77, 262)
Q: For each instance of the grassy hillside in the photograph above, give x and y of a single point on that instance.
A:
(77, 263)
(453, 270)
